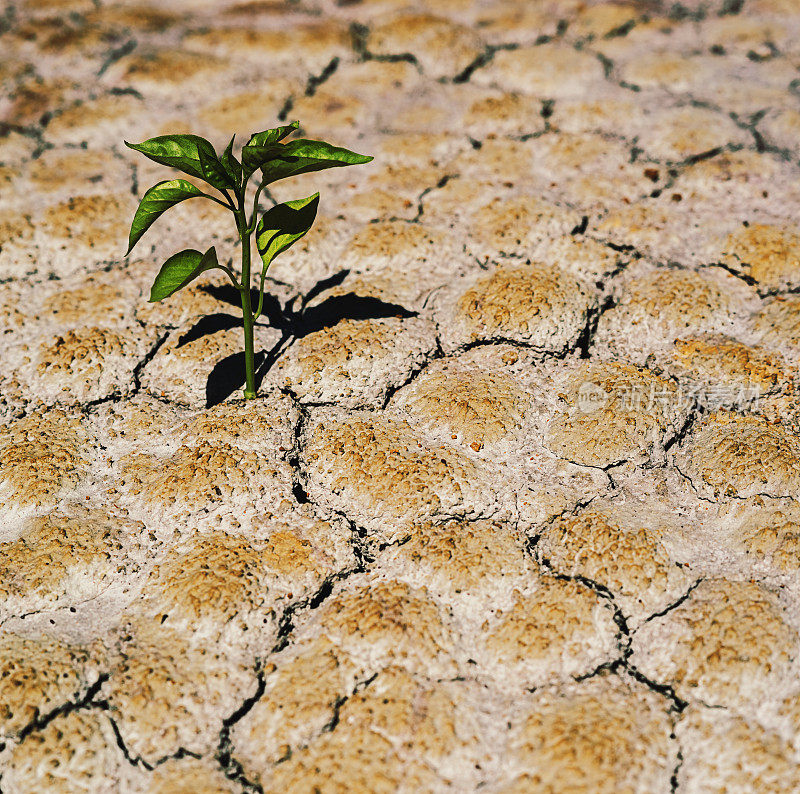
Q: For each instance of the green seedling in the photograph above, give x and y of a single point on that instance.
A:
(275, 230)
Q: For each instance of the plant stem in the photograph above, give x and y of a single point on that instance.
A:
(260, 306)
(247, 309)
(231, 276)
(254, 216)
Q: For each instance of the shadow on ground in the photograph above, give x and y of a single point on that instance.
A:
(293, 321)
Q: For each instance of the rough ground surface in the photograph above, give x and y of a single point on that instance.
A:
(518, 508)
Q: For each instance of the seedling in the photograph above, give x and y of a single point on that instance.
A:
(276, 230)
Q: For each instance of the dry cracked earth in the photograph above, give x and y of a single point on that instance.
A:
(517, 509)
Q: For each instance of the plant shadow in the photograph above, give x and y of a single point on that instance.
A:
(209, 325)
(227, 377)
(294, 323)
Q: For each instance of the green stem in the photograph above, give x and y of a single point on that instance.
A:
(230, 205)
(227, 204)
(247, 309)
(253, 217)
(231, 276)
(260, 307)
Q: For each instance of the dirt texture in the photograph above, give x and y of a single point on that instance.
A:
(517, 509)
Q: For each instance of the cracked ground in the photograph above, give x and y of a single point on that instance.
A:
(517, 507)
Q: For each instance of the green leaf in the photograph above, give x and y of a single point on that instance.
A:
(264, 146)
(302, 156)
(157, 200)
(231, 164)
(268, 137)
(180, 269)
(254, 157)
(283, 225)
(188, 153)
